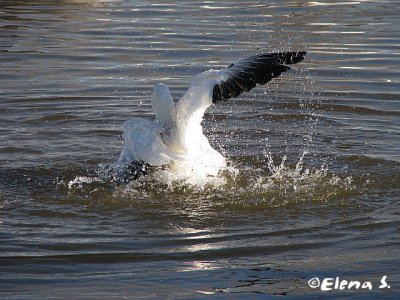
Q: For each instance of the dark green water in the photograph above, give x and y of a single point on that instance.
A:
(313, 187)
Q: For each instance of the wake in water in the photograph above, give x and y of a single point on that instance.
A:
(175, 138)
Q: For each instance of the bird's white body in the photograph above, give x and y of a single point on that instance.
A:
(175, 138)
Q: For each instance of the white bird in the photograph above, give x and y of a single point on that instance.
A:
(175, 137)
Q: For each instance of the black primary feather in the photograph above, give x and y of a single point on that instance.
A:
(246, 73)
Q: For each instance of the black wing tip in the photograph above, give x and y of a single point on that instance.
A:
(257, 69)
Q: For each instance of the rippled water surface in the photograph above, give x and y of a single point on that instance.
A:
(313, 184)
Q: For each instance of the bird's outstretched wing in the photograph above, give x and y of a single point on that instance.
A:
(246, 73)
(163, 106)
(216, 85)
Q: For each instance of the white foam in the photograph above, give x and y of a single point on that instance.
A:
(80, 181)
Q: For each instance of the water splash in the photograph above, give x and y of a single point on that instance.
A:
(274, 183)
(282, 183)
